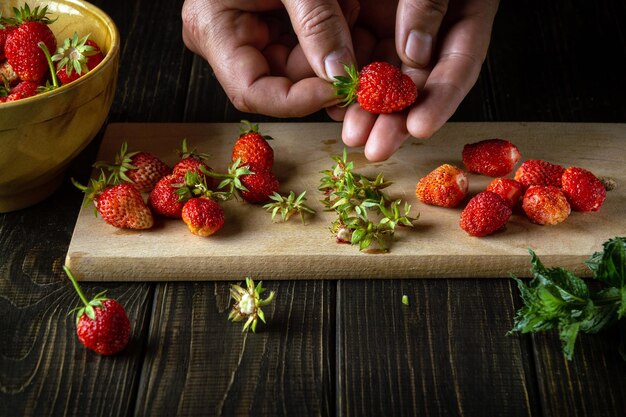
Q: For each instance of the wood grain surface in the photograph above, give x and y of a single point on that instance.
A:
(250, 245)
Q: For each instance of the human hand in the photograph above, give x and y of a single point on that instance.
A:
(272, 57)
(440, 44)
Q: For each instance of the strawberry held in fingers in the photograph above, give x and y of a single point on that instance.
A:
(102, 324)
(379, 88)
(21, 48)
(491, 157)
(584, 191)
(545, 204)
(539, 172)
(485, 214)
(252, 148)
(76, 58)
(445, 186)
(203, 216)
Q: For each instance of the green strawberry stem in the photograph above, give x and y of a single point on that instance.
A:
(76, 286)
(44, 48)
(346, 86)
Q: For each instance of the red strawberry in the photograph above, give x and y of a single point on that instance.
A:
(252, 149)
(491, 157)
(5, 30)
(23, 90)
(142, 169)
(584, 191)
(538, 172)
(163, 198)
(203, 216)
(506, 188)
(119, 205)
(260, 187)
(545, 204)
(102, 325)
(485, 214)
(76, 58)
(193, 161)
(22, 50)
(445, 186)
(378, 88)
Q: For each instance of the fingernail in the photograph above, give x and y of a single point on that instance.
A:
(419, 47)
(334, 62)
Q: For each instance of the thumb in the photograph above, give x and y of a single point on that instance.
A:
(417, 24)
(323, 34)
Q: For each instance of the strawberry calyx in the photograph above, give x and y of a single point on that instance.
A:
(122, 164)
(185, 152)
(248, 127)
(346, 86)
(93, 189)
(73, 54)
(231, 181)
(248, 304)
(288, 206)
(88, 305)
(194, 185)
(25, 14)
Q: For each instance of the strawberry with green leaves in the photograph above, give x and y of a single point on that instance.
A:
(379, 88)
(120, 205)
(102, 324)
(164, 199)
(21, 48)
(142, 169)
(76, 57)
(252, 148)
(190, 160)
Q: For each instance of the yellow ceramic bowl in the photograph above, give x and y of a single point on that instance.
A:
(40, 135)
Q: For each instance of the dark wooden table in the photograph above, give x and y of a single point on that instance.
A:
(345, 348)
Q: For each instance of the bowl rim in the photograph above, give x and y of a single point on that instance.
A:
(110, 56)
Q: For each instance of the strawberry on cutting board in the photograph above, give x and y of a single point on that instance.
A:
(119, 205)
(21, 48)
(379, 88)
(485, 214)
(445, 186)
(545, 205)
(539, 172)
(584, 191)
(252, 148)
(102, 324)
(203, 216)
(491, 157)
(259, 187)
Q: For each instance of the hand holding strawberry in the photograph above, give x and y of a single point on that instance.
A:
(102, 324)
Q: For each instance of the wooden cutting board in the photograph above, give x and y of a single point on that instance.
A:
(251, 245)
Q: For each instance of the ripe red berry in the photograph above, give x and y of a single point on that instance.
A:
(102, 324)
(538, 172)
(507, 188)
(252, 149)
(23, 90)
(491, 157)
(203, 216)
(485, 214)
(163, 198)
(545, 204)
(445, 186)
(584, 191)
(379, 88)
(260, 187)
(76, 58)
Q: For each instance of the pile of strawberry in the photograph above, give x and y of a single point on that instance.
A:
(27, 66)
(545, 192)
(189, 190)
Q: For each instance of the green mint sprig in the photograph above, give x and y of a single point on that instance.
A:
(557, 299)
